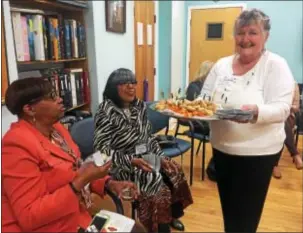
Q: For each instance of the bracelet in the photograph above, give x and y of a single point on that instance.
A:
(107, 182)
(74, 189)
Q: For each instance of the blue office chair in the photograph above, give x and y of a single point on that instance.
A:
(82, 133)
(202, 137)
(159, 122)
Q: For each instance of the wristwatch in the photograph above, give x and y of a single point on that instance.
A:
(74, 189)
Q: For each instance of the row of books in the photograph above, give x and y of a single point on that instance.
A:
(44, 36)
(72, 85)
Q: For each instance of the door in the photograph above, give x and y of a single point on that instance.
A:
(211, 35)
(144, 46)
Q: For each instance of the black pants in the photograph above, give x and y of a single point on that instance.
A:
(243, 182)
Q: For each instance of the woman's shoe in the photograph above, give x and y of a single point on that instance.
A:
(297, 160)
(177, 224)
(277, 173)
(163, 228)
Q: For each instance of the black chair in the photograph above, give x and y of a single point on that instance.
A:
(159, 122)
(82, 133)
(298, 127)
(202, 137)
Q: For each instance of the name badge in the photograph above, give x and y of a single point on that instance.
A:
(141, 149)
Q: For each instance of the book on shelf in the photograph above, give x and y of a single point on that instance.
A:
(86, 88)
(67, 40)
(24, 37)
(17, 29)
(55, 37)
(70, 84)
(45, 38)
(61, 37)
(74, 38)
(40, 35)
(31, 39)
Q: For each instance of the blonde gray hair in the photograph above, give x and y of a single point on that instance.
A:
(253, 16)
(203, 71)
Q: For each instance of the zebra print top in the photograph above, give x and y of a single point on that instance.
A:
(117, 134)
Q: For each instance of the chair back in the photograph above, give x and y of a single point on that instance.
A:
(158, 120)
(82, 133)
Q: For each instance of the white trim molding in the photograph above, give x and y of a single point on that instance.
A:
(189, 10)
(156, 51)
(177, 45)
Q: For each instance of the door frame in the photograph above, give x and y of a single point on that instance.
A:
(189, 10)
(156, 47)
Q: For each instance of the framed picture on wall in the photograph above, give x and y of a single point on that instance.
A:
(115, 16)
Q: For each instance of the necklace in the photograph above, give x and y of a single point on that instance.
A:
(127, 112)
(58, 140)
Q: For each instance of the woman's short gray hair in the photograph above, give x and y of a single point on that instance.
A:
(252, 16)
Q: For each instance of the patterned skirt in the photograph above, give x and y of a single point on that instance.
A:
(156, 208)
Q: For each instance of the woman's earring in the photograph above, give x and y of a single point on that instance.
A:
(34, 119)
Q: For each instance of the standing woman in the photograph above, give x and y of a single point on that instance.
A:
(246, 152)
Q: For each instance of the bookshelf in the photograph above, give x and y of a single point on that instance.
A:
(54, 54)
(50, 61)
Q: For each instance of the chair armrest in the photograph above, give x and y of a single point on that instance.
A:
(116, 200)
(191, 126)
(200, 124)
(297, 117)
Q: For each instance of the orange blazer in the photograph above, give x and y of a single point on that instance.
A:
(36, 196)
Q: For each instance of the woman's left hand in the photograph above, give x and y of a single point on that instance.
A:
(250, 107)
(117, 187)
(169, 166)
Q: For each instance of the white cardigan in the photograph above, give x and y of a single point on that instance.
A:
(269, 85)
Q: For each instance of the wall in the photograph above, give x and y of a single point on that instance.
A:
(107, 51)
(164, 48)
(177, 41)
(285, 35)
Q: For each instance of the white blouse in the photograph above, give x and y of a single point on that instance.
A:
(269, 85)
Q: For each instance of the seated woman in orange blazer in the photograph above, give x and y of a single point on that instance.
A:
(43, 187)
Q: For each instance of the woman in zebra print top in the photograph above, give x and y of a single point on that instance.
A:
(120, 125)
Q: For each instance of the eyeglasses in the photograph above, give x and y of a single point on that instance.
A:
(129, 83)
(50, 96)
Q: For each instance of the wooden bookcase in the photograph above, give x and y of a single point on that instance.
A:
(68, 12)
